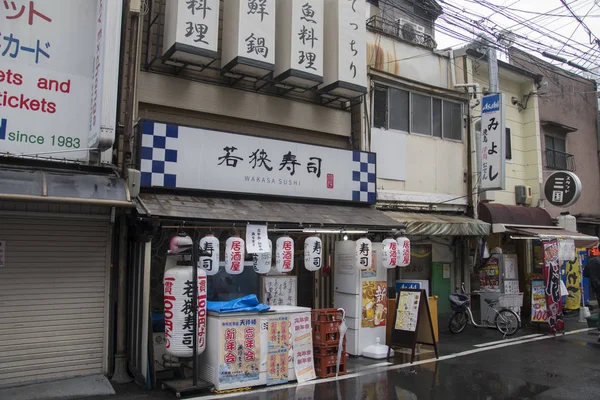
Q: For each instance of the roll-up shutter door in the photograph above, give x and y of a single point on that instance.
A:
(53, 290)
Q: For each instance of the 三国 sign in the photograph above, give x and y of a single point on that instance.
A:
(562, 188)
(175, 156)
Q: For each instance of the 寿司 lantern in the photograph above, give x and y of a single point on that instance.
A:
(209, 244)
(234, 255)
(363, 255)
(284, 254)
(403, 251)
(261, 262)
(313, 253)
(179, 314)
(389, 253)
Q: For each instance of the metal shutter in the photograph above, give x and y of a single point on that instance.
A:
(53, 293)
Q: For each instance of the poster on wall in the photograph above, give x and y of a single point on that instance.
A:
(573, 282)
(374, 303)
(407, 311)
(279, 290)
(539, 312)
(277, 333)
(240, 342)
(257, 241)
(552, 282)
(371, 271)
(489, 276)
(303, 348)
(2, 253)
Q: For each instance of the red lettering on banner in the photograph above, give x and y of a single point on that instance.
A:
(229, 358)
(230, 334)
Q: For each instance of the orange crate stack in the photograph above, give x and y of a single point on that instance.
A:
(326, 337)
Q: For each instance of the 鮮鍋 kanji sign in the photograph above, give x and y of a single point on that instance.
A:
(52, 61)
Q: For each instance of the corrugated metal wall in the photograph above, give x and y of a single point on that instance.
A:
(53, 296)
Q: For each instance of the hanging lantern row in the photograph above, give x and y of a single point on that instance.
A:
(234, 255)
(313, 253)
(209, 245)
(179, 313)
(389, 253)
(403, 251)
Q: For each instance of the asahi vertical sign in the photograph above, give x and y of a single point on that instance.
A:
(492, 149)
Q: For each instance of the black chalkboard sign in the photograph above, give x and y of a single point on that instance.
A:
(412, 322)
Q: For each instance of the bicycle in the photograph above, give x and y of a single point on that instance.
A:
(506, 320)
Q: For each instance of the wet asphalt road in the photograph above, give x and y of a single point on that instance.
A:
(563, 367)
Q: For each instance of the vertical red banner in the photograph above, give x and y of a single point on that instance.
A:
(552, 281)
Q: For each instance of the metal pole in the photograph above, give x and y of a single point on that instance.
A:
(195, 310)
(492, 65)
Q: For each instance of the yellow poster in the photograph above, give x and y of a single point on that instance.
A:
(240, 350)
(573, 283)
(374, 304)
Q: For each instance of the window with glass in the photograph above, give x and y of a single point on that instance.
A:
(556, 152)
(412, 112)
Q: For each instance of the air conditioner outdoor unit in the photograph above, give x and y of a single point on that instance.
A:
(408, 30)
(523, 195)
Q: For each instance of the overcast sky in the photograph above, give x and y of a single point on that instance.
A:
(564, 27)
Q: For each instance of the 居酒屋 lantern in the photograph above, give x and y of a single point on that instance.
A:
(389, 253)
(363, 255)
(313, 253)
(209, 245)
(284, 254)
(403, 251)
(179, 313)
(234, 255)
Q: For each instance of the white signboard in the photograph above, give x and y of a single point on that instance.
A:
(249, 36)
(191, 158)
(191, 30)
(491, 157)
(2, 253)
(279, 290)
(257, 240)
(345, 70)
(55, 76)
(300, 41)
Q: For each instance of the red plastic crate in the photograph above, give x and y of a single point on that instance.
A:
(326, 332)
(327, 315)
(326, 366)
(329, 349)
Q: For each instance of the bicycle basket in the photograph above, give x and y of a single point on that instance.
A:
(510, 300)
(459, 302)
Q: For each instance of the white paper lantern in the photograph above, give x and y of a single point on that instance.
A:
(389, 253)
(313, 253)
(284, 254)
(209, 244)
(403, 251)
(179, 315)
(234, 255)
(363, 253)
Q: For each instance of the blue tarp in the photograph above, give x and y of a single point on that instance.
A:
(243, 304)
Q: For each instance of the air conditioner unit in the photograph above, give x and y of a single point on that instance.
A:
(523, 195)
(408, 30)
(401, 22)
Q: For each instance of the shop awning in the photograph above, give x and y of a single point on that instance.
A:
(549, 233)
(431, 224)
(274, 212)
(63, 186)
(500, 214)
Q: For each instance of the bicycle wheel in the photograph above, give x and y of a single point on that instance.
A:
(458, 322)
(507, 322)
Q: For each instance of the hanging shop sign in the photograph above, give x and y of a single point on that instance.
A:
(59, 76)
(313, 253)
(179, 311)
(345, 69)
(389, 253)
(300, 42)
(234, 255)
(261, 262)
(403, 251)
(248, 37)
(284, 254)
(562, 188)
(191, 158)
(209, 245)
(491, 144)
(257, 239)
(191, 31)
(363, 254)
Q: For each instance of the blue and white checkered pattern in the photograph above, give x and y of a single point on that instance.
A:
(363, 176)
(158, 154)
